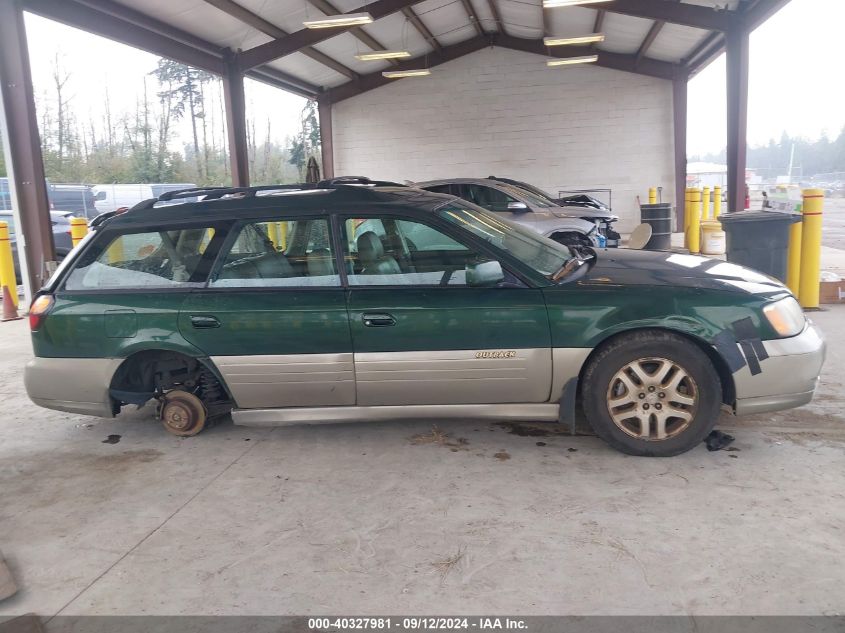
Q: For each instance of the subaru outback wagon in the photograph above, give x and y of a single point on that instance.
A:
(373, 302)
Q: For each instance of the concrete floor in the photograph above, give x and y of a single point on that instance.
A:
(359, 519)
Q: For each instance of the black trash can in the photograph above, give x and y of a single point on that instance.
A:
(659, 217)
(759, 239)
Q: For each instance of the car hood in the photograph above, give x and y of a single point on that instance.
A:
(664, 268)
(581, 212)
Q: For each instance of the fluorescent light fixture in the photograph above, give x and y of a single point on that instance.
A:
(398, 74)
(568, 61)
(567, 41)
(551, 4)
(375, 55)
(334, 21)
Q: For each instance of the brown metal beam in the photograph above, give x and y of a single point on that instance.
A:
(422, 29)
(616, 61)
(233, 96)
(283, 81)
(497, 16)
(107, 24)
(473, 18)
(601, 14)
(626, 63)
(324, 112)
(761, 11)
(308, 37)
(233, 9)
(20, 133)
(544, 13)
(737, 84)
(358, 32)
(127, 26)
(376, 80)
(687, 14)
(653, 32)
(679, 106)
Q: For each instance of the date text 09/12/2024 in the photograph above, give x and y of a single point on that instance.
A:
(416, 624)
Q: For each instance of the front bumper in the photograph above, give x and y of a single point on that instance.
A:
(789, 376)
(75, 385)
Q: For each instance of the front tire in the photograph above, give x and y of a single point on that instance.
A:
(651, 393)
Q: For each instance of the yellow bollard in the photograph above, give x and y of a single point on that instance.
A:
(694, 230)
(283, 235)
(811, 248)
(793, 261)
(705, 204)
(717, 202)
(7, 265)
(114, 253)
(78, 230)
(652, 195)
(687, 195)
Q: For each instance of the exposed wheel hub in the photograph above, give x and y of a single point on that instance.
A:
(182, 413)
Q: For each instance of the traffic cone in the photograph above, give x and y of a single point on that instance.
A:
(10, 312)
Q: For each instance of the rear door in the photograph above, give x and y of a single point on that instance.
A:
(435, 321)
(273, 316)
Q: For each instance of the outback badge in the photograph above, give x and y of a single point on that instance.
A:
(496, 354)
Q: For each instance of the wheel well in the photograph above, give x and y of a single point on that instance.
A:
(725, 376)
(150, 372)
(573, 236)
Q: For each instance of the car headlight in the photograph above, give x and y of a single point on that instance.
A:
(785, 316)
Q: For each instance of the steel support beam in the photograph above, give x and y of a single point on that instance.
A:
(308, 37)
(376, 80)
(358, 32)
(626, 63)
(422, 29)
(706, 18)
(737, 89)
(473, 18)
(107, 24)
(19, 127)
(233, 9)
(497, 16)
(679, 107)
(324, 112)
(652, 34)
(761, 11)
(616, 61)
(235, 102)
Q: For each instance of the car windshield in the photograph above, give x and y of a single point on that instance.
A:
(545, 256)
(532, 199)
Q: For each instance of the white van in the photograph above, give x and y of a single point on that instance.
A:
(112, 197)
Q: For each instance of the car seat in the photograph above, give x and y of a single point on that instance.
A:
(373, 259)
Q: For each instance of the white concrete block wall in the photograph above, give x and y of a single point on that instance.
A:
(503, 112)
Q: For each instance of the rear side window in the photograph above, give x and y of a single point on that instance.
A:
(155, 259)
(279, 253)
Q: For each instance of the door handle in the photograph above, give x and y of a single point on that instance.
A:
(204, 321)
(381, 319)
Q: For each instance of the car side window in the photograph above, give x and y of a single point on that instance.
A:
(489, 198)
(154, 259)
(279, 253)
(403, 252)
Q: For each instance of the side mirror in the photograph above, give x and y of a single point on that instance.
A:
(101, 195)
(484, 274)
(517, 207)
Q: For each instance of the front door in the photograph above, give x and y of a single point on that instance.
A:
(436, 322)
(273, 317)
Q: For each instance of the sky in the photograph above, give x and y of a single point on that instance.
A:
(796, 80)
(796, 85)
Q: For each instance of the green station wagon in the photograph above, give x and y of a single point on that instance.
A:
(337, 303)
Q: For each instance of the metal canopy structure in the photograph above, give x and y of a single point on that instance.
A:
(668, 39)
